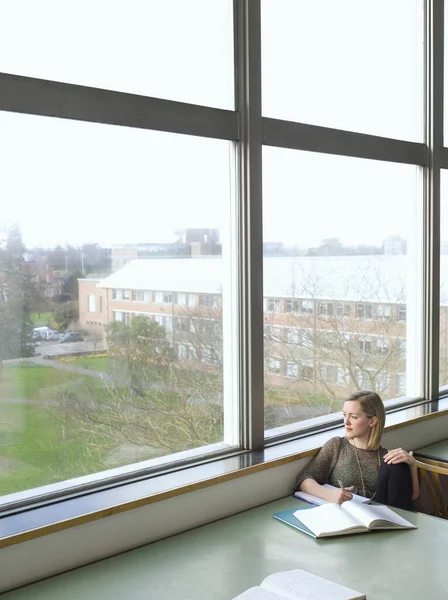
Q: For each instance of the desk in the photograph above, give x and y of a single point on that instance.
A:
(220, 560)
(438, 451)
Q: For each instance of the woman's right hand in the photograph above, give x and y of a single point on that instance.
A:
(338, 495)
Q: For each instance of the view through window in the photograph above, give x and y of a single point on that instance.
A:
(341, 281)
(112, 294)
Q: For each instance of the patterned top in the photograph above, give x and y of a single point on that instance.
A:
(336, 460)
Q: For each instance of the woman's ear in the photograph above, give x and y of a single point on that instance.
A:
(373, 421)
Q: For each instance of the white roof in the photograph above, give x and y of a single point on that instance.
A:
(375, 278)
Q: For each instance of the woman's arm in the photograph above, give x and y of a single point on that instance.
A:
(336, 496)
(394, 457)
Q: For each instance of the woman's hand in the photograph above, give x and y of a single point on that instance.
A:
(394, 457)
(339, 495)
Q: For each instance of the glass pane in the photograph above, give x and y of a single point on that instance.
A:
(342, 282)
(112, 297)
(351, 65)
(443, 382)
(170, 49)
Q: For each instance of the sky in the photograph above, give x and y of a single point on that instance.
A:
(334, 64)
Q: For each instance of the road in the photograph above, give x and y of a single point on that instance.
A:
(58, 349)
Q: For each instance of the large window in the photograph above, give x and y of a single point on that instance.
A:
(159, 49)
(355, 65)
(346, 229)
(73, 192)
(219, 218)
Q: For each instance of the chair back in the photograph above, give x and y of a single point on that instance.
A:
(430, 472)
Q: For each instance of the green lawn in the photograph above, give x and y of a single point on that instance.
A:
(41, 319)
(56, 424)
(43, 441)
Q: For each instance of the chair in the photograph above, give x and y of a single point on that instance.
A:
(430, 471)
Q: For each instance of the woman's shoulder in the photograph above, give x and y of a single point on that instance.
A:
(334, 443)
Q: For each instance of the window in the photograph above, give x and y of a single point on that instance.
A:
(161, 219)
(162, 298)
(120, 294)
(272, 334)
(291, 369)
(307, 307)
(293, 335)
(383, 312)
(364, 344)
(175, 76)
(274, 365)
(139, 296)
(291, 306)
(91, 303)
(122, 317)
(347, 282)
(109, 228)
(271, 305)
(342, 309)
(326, 309)
(330, 74)
(401, 312)
(185, 300)
(182, 324)
(329, 373)
(209, 300)
(364, 311)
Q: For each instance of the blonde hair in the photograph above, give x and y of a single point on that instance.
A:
(372, 406)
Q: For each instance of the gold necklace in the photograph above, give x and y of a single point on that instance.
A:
(360, 470)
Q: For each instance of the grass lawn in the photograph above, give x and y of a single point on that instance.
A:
(43, 440)
(56, 424)
(41, 319)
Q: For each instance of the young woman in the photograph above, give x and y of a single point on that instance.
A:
(358, 463)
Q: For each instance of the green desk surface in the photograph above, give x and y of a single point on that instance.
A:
(220, 560)
(438, 451)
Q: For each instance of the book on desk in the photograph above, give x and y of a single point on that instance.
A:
(347, 518)
(299, 585)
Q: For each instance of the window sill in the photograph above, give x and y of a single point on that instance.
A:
(32, 523)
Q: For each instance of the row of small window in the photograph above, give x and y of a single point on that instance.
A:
(95, 323)
(309, 338)
(178, 298)
(365, 311)
(365, 378)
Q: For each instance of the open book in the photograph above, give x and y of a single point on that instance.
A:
(342, 519)
(299, 585)
(316, 500)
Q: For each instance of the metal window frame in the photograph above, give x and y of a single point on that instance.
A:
(250, 131)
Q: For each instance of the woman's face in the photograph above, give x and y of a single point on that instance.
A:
(357, 424)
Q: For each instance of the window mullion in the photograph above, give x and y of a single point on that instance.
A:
(248, 103)
(434, 133)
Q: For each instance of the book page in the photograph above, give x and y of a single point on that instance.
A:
(329, 519)
(301, 585)
(316, 500)
(259, 593)
(373, 516)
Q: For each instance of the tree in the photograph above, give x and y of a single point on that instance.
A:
(65, 314)
(148, 399)
(16, 293)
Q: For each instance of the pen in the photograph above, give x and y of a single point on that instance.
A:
(340, 484)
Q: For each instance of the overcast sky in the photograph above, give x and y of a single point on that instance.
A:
(353, 64)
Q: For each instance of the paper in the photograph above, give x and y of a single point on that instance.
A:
(316, 500)
(299, 585)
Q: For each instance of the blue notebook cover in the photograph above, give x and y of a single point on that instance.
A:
(287, 517)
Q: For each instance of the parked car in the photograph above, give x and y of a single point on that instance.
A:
(40, 332)
(52, 335)
(70, 336)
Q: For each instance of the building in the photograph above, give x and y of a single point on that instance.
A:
(329, 322)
